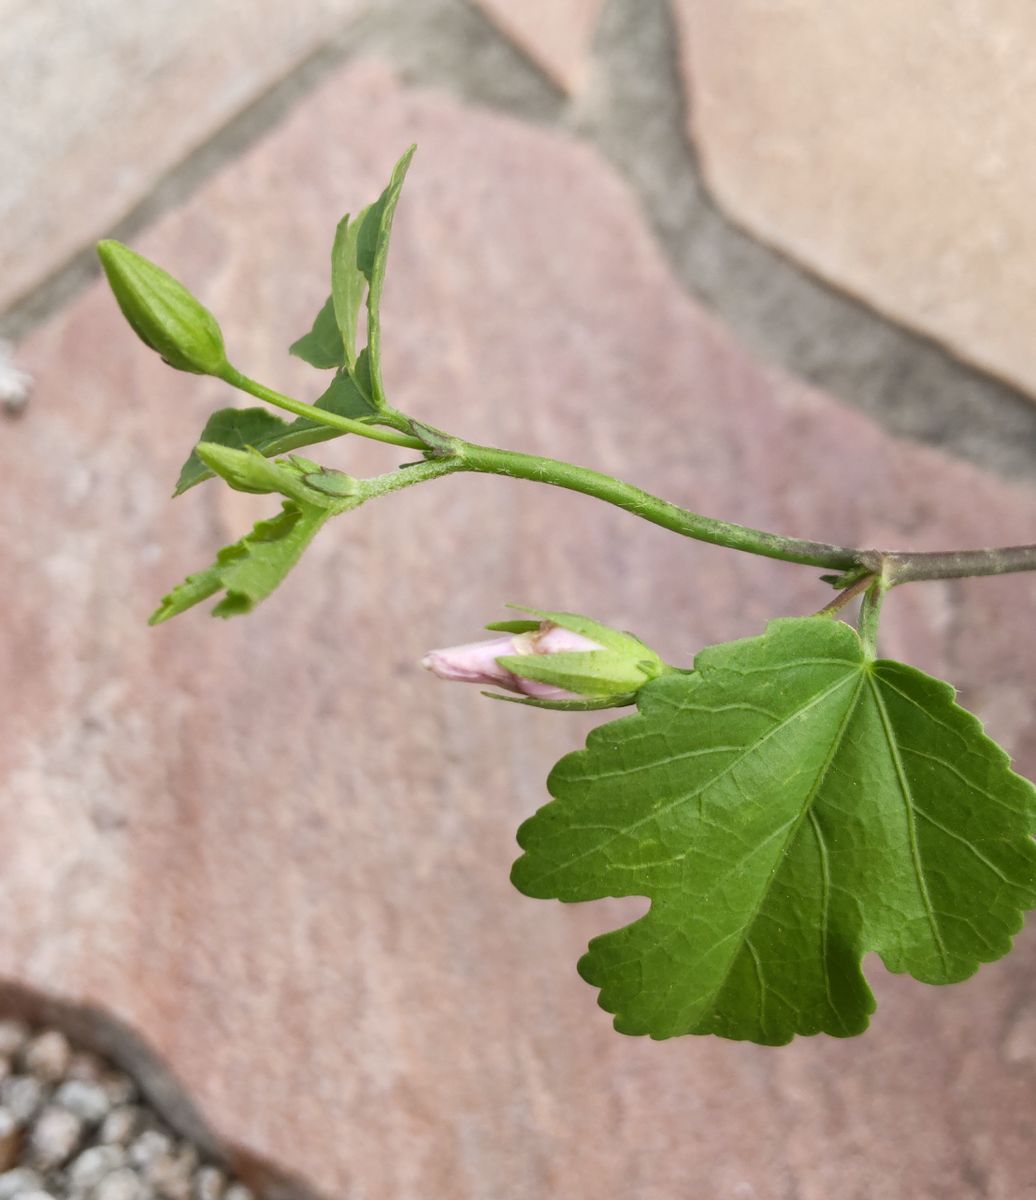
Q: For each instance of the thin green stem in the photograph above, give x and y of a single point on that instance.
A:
(447, 455)
(321, 416)
(870, 611)
(486, 460)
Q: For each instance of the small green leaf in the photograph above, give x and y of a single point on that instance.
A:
(322, 347)
(787, 807)
(348, 283)
(236, 428)
(162, 312)
(251, 568)
(372, 246)
(270, 435)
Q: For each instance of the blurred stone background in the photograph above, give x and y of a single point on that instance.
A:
(771, 258)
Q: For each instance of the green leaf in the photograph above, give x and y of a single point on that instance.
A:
(372, 246)
(358, 261)
(251, 568)
(234, 427)
(270, 435)
(787, 807)
(348, 283)
(322, 347)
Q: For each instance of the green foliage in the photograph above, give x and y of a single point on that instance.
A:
(322, 346)
(359, 258)
(787, 807)
(250, 569)
(162, 312)
(272, 435)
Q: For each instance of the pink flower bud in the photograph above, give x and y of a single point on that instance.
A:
(475, 662)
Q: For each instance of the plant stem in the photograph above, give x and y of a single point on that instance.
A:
(447, 455)
(870, 610)
(957, 564)
(332, 420)
(486, 460)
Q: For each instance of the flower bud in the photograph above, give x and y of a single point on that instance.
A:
(560, 657)
(162, 312)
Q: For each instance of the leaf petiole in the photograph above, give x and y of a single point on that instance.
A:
(321, 416)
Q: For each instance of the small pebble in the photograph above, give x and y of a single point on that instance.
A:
(148, 1147)
(209, 1183)
(85, 1066)
(47, 1056)
(16, 1182)
(13, 1036)
(92, 1165)
(238, 1191)
(124, 1184)
(23, 1096)
(120, 1088)
(121, 1124)
(78, 1120)
(55, 1136)
(87, 1100)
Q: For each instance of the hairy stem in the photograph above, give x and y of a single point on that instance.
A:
(447, 455)
(487, 460)
(957, 564)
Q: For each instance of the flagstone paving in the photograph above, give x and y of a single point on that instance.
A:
(888, 148)
(279, 851)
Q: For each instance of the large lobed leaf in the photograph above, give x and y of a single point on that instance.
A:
(787, 807)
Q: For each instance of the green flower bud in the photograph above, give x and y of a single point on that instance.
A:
(162, 312)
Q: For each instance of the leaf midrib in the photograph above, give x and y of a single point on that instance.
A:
(743, 935)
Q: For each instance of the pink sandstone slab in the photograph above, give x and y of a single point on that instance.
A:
(556, 34)
(279, 851)
(99, 99)
(888, 147)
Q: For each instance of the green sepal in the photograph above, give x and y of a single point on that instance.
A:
(249, 471)
(596, 673)
(612, 639)
(513, 626)
(332, 483)
(162, 312)
(567, 705)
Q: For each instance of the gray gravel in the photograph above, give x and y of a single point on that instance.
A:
(73, 1127)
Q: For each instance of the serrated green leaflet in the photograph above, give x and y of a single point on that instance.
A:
(271, 435)
(787, 807)
(251, 568)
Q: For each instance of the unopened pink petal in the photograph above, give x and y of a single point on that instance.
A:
(473, 662)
